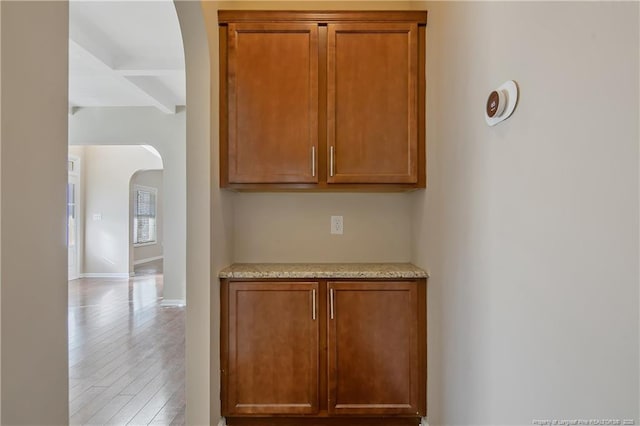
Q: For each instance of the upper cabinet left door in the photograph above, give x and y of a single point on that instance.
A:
(272, 79)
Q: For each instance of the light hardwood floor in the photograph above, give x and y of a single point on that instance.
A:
(126, 352)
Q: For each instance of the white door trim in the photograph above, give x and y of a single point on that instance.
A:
(74, 178)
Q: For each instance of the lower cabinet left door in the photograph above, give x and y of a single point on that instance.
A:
(272, 350)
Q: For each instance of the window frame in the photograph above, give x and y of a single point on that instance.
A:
(154, 191)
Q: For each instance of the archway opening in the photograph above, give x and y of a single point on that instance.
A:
(127, 92)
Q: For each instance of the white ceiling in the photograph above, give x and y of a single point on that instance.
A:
(125, 53)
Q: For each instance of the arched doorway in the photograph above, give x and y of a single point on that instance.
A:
(118, 42)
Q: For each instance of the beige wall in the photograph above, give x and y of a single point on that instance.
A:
(530, 228)
(33, 129)
(295, 228)
(150, 179)
(108, 171)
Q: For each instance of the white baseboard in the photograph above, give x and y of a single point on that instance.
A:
(173, 302)
(105, 275)
(222, 422)
(424, 421)
(147, 260)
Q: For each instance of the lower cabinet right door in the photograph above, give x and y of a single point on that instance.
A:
(376, 348)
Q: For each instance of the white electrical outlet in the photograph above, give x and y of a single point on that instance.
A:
(337, 225)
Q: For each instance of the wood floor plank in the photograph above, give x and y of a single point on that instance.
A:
(87, 396)
(143, 380)
(126, 352)
(173, 407)
(109, 410)
(114, 342)
(156, 403)
(179, 419)
(139, 400)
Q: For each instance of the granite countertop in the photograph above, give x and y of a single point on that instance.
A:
(322, 270)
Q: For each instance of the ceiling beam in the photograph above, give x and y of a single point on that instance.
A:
(102, 59)
(150, 65)
(152, 85)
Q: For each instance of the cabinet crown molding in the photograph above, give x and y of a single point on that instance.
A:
(227, 16)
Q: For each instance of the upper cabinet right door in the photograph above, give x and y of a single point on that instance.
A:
(372, 103)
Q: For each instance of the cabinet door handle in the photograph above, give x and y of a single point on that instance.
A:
(313, 162)
(331, 302)
(313, 302)
(331, 161)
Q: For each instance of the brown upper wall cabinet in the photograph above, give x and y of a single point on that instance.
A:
(272, 102)
(324, 101)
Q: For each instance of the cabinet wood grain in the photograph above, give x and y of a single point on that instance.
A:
(322, 101)
(272, 90)
(373, 355)
(372, 103)
(336, 352)
(272, 348)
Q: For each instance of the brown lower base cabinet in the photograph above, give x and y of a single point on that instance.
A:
(323, 352)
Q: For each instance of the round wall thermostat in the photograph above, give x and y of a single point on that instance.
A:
(501, 103)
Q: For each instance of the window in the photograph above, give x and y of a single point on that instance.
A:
(144, 215)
